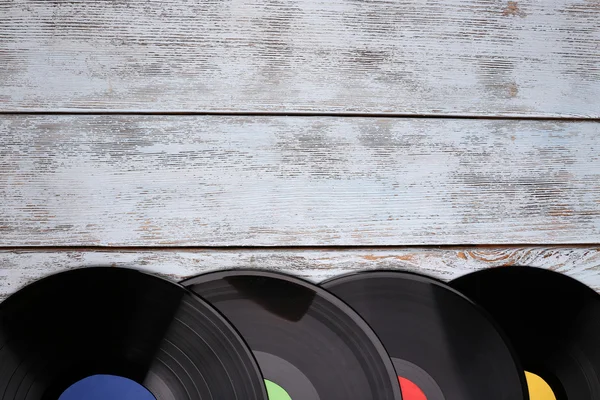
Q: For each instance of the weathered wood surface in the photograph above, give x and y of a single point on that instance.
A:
(269, 181)
(20, 268)
(471, 57)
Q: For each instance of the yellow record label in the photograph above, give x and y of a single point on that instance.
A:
(538, 388)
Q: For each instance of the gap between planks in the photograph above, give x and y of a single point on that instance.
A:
(515, 117)
(448, 247)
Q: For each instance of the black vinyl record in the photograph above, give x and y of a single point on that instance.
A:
(113, 321)
(442, 345)
(552, 320)
(307, 341)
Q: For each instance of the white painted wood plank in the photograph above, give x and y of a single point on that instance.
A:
(273, 181)
(18, 268)
(469, 57)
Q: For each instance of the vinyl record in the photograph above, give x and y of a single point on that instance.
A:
(68, 326)
(309, 344)
(442, 345)
(553, 322)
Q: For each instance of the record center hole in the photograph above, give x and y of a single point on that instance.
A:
(538, 388)
(410, 391)
(276, 392)
(106, 387)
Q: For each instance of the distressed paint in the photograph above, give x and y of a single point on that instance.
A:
(271, 181)
(467, 57)
(18, 268)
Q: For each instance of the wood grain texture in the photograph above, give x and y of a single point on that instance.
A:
(18, 268)
(273, 181)
(468, 57)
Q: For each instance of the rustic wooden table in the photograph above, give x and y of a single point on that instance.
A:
(310, 136)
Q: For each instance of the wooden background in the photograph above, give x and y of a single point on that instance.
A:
(309, 136)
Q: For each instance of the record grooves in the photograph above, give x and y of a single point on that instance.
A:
(306, 340)
(437, 338)
(552, 320)
(508, 333)
(121, 322)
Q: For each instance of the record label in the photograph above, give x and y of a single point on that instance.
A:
(538, 388)
(415, 382)
(276, 392)
(410, 391)
(296, 384)
(106, 387)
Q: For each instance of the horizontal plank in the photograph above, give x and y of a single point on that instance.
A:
(18, 268)
(471, 57)
(271, 181)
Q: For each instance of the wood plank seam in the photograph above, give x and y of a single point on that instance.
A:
(305, 114)
(18, 268)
